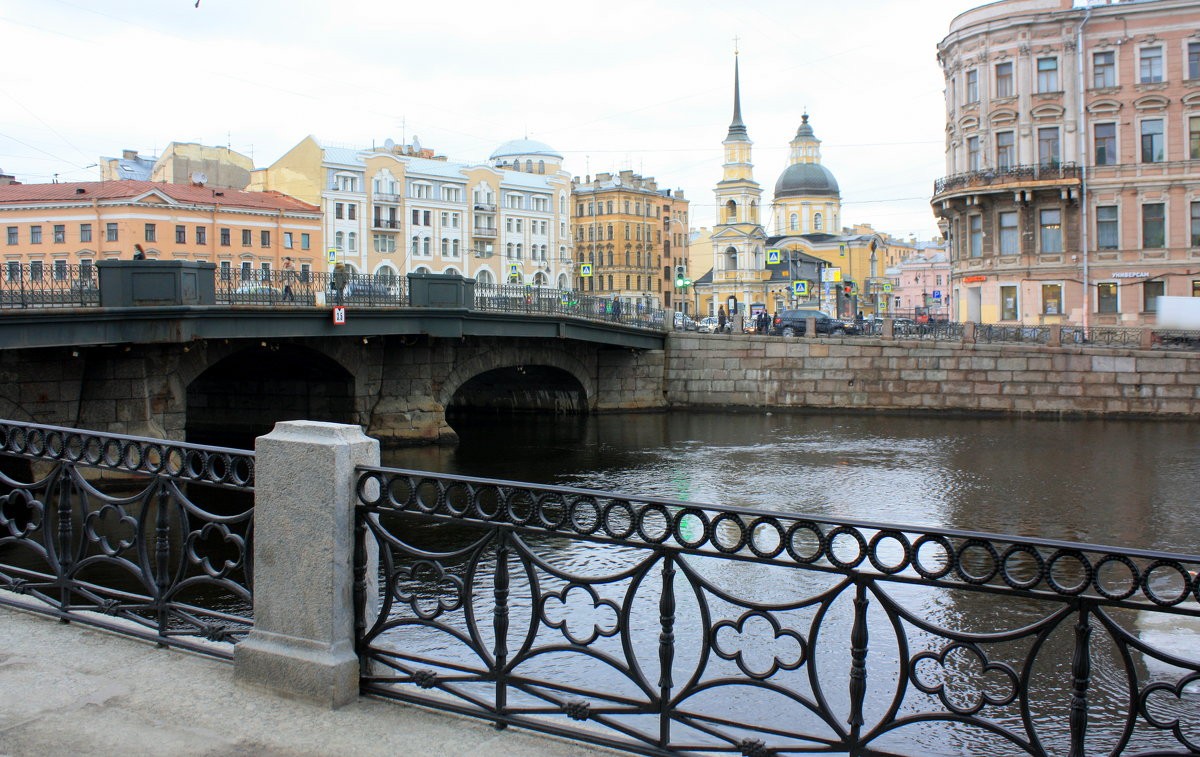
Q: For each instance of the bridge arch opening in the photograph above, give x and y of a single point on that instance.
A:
(517, 389)
(245, 394)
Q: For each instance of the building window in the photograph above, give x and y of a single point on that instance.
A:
(201, 235)
(36, 270)
(85, 232)
(110, 232)
(793, 222)
(972, 153)
(264, 238)
(35, 234)
(305, 241)
(1151, 291)
(1048, 147)
(225, 238)
(1051, 299)
(247, 238)
(1008, 303)
(1104, 69)
(1150, 69)
(1009, 234)
(1050, 222)
(975, 226)
(287, 240)
(1107, 236)
(180, 234)
(1006, 151)
(972, 89)
(817, 221)
(60, 270)
(1105, 144)
(1195, 224)
(1004, 79)
(151, 233)
(1193, 60)
(351, 210)
(1154, 225)
(352, 242)
(1152, 140)
(339, 210)
(1106, 297)
(60, 233)
(1047, 75)
(13, 237)
(1194, 137)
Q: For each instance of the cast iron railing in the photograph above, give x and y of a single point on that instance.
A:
(145, 537)
(667, 627)
(33, 285)
(1003, 176)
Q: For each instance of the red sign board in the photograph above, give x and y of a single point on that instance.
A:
(339, 315)
(973, 279)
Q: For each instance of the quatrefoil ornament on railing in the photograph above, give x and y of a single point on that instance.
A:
(20, 513)
(446, 589)
(112, 529)
(748, 642)
(565, 603)
(214, 535)
(979, 697)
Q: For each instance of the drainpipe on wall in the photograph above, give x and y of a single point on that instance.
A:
(1081, 135)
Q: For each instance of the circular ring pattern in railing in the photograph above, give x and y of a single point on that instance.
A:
(1135, 579)
(520, 506)
(1153, 595)
(1006, 571)
(680, 526)
(399, 492)
(661, 530)
(790, 541)
(36, 442)
(831, 547)
(960, 558)
(946, 546)
(584, 515)
(364, 481)
(766, 523)
(873, 549)
(427, 495)
(458, 498)
(55, 446)
(488, 496)
(153, 458)
(736, 523)
(607, 519)
(1084, 563)
(131, 455)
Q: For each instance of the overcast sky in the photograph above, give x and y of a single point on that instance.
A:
(644, 85)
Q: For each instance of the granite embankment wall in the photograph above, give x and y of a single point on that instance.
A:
(900, 375)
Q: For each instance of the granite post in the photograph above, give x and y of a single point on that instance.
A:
(303, 639)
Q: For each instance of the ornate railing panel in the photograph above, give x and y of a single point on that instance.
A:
(519, 298)
(141, 536)
(996, 333)
(666, 627)
(60, 285)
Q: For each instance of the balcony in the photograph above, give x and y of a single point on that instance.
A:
(484, 207)
(483, 233)
(386, 197)
(385, 223)
(1008, 178)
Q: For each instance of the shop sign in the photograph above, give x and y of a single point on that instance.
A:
(1131, 275)
(973, 279)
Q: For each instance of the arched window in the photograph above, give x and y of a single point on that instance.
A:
(817, 221)
(386, 275)
(753, 212)
(416, 242)
(352, 241)
(730, 259)
(610, 231)
(793, 222)
(730, 211)
(445, 247)
(425, 246)
(541, 166)
(528, 166)
(518, 250)
(626, 282)
(421, 269)
(562, 281)
(539, 279)
(591, 231)
(455, 250)
(509, 250)
(610, 281)
(639, 283)
(483, 277)
(451, 271)
(339, 239)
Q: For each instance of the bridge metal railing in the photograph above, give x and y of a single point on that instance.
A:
(145, 537)
(669, 627)
(60, 285)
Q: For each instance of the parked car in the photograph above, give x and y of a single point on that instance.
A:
(707, 325)
(372, 291)
(255, 294)
(795, 322)
(684, 323)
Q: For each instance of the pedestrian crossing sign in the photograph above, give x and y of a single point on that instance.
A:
(332, 254)
(514, 269)
(772, 257)
(585, 269)
(800, 287)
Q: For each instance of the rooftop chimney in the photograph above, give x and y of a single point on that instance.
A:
(129, 154)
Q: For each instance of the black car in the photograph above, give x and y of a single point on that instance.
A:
(795, 322)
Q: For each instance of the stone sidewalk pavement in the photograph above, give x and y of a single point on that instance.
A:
(74, 690)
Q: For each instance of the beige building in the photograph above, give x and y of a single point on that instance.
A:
(634, 236)
(1072, 192)
(182, 163)
(395, 209)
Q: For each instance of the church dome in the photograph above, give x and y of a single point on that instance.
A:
(522, 147)
(805, 180)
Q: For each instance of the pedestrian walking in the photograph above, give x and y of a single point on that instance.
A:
(721, 319)
(341, 277)
(616, 309)
(289, 275)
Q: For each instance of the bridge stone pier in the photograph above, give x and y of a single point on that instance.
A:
(398, 387)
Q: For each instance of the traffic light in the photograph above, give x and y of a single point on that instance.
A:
(846, 289)
(680, 275)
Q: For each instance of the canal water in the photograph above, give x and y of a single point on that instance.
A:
(1124, 483)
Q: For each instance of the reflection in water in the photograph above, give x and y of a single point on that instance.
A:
(1125, 483)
